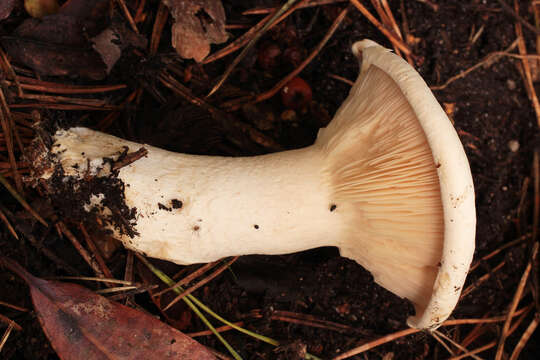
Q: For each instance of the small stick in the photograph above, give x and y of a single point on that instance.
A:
(8, 135)
(8, 321)
(440, 341)
(459, 346)
(481, 280)
(84, 253)
(525, 338)
(372, 344)
(515, 13)
(157, 30)
(526, 66)
(189, 278)
(218, 329)
(11, 71)
(312, 3)
(391, 337)
(6, 335)
(397, 42)
(268, 94)
(341, 78)
(129, 158)
(498, 250)
(252, 42)
(97, 254)
(14, 307)
(534, 239)
(515, 302)
(201, 283)
(128, 15)
(21, 200)
(250, 34)
(8, 224)
(487, 59)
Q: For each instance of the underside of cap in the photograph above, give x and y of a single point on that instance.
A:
(399, 171)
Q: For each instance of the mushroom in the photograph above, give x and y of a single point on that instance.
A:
(387, 182)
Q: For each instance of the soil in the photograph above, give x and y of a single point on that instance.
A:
(490, 109)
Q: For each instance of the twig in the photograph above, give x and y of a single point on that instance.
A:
(536, 215)
(341, 78)
(498, 250)
(8, 224)
(482, 279)
(127, 14)
(252, 42)
(268, 94)
(248, 36)
(494, 343)
(440, 341)
(395, 41)
(14, 307)
(97, 254)
(311, 3)
(6, 127)
(515, 302)
(490, 58)
(8, 321)
(21, 200)
(507, 8)
(234, 126)
(84, 253)
(526, 67)
(56, 88)
(391, 337)
(129, 158)
(6, 335)
(462, 348)
(372, 344)
(189, 278)
(201, 283)
(218, 329)
(11, 71)
(157, 30)
(525, 337)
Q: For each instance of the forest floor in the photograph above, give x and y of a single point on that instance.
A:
(482, 61)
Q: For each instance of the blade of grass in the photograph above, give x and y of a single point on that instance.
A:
(167, 280)
(190, 299)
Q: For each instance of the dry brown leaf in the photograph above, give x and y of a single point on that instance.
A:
(198, 24)
(83, 325)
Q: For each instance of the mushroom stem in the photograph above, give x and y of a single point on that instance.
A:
(202, 208)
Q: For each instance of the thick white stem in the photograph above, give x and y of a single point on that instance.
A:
(271, 204)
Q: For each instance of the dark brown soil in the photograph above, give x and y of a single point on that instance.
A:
(490, 109)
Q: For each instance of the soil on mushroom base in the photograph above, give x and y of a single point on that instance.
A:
(490, 109)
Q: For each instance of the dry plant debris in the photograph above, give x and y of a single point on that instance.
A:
(83, 325)
(197, 25)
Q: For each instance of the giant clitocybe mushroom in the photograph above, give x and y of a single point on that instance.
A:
(387, 182)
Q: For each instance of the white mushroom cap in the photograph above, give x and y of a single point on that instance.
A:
(407, 182)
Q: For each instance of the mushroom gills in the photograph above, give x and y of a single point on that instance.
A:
(384, 177)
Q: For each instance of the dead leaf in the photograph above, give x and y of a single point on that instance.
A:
(83, 325)
(6, 6)
(59, 44)
(198, 24)
(55, 60)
